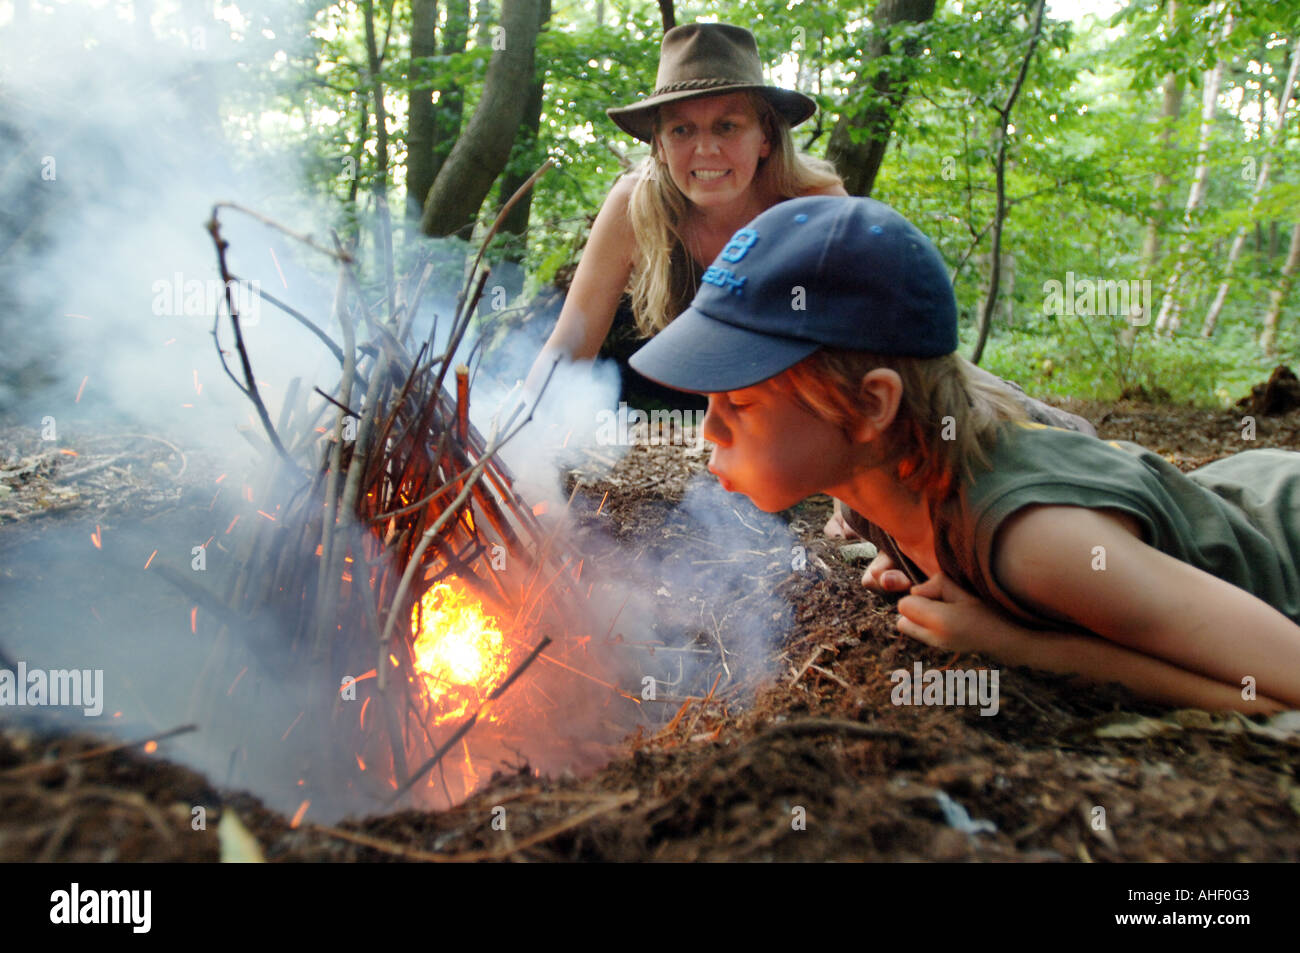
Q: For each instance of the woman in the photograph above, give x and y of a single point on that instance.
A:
(721, 153)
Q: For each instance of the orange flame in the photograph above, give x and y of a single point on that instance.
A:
(460, 652)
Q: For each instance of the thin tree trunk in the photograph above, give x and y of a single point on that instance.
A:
(1277, 298)
(667, 15)
(450, 109)
(516, 223)
(1170, 308)
(995, 273)
(1171, 109)
(1239, 242)
(859, 162)
(420, 172)
(383, 225)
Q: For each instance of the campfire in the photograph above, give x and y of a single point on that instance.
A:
(387, 563)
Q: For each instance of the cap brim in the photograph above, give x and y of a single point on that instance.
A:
(701, 354)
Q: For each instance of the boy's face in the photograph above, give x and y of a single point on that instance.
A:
(770, 448)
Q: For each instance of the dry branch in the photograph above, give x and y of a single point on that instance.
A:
(395, 493)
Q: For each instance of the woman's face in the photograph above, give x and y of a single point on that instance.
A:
(712, 147)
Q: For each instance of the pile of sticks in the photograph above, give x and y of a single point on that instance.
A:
(404, 492)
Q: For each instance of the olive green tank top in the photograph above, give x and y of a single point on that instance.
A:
(1237, 518)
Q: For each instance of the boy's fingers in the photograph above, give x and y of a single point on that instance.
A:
(882, 574)
(880, 564)
(895, 580)
(932, 588)
(919, 623)
(922, 611)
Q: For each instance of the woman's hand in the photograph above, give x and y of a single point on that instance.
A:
(944, 616)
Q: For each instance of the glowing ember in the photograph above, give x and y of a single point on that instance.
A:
(460, 652)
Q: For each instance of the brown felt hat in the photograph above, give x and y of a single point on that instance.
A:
(708, 59)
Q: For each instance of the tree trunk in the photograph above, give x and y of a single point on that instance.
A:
(509, 273)
(1277, 298)
(667, 15)
(1004, 114)
(1239, 242)
(420, 172)
(482, 150)
(1171, 109)
(859, 162)
(383, 225)
(516, 223)
(451, 99)
(1170, 308)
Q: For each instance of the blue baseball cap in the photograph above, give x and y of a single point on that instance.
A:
(821, 271)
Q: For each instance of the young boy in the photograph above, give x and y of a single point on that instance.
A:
(825, 336)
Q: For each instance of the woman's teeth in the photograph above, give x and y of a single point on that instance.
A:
(709, 175)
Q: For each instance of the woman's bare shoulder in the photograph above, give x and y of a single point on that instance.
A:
(620, 193)
(836, 189)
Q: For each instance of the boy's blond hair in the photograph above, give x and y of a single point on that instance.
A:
(947, 421)
(664, 278)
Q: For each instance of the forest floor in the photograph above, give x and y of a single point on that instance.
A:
(814, 763)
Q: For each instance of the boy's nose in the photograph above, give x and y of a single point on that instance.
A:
(714, 430)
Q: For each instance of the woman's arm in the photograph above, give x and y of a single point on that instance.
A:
(598, 283)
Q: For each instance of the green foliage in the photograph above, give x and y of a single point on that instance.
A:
(1084, 151)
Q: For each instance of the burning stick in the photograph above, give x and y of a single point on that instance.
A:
(399, 494)
(462, 402)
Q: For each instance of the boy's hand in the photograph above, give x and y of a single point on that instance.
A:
(882, 576)
(944, 616)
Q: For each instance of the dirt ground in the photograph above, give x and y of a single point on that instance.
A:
(812, 764)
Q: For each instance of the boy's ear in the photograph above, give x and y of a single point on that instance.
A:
(879, 394)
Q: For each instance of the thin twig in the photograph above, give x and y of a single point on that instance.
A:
(249, 387)
(36, 767)
(271, 223)
(413, 853)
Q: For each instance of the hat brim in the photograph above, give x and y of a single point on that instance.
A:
(638, 120)
(700, 354)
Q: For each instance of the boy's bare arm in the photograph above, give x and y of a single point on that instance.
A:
(946, 617)
(1050, 558)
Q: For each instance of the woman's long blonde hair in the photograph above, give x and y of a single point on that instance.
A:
(664, 278)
